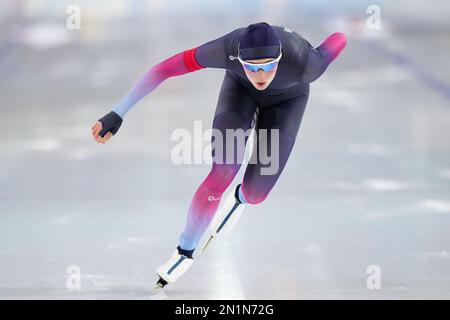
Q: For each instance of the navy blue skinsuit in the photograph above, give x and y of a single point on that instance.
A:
(241, 106)
(280, 106)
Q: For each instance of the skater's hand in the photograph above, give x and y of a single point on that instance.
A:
(96, 128)
(106, 127)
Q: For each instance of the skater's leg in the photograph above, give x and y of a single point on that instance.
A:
(205, 202)
(235, 110)
(261, 175)
(202, 209)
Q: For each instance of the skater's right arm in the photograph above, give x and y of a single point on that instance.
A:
(211, 54)
(178, 64)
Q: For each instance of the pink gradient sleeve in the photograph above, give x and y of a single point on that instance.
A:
(178, 64)
(323, 55)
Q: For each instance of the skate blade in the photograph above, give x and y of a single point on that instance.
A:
(158, 292)
(207, 244)
(160, 284)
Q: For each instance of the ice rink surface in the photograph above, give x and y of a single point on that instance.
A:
(367, 184)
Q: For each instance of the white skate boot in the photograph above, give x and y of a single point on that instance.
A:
(226, 217)
(175, 267)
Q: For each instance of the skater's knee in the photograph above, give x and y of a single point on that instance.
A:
(221, 176)
(253, 195)
(255, 198)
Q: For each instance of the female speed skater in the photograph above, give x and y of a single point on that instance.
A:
(268, 71)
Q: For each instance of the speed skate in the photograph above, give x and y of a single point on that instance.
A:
(225, 218)
(180, 260)
(175, 267)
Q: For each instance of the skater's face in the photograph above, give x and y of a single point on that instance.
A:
(260, 79)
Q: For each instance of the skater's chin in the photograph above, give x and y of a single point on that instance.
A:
(261, 85)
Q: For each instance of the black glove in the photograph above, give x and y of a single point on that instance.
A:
(110, 122)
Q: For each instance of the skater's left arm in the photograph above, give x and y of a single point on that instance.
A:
(319, 58)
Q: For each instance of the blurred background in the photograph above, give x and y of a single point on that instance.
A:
(367, 184)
